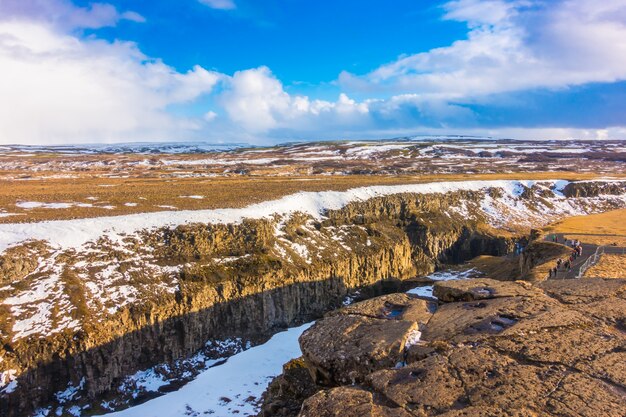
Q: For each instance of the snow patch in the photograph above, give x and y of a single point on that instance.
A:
(232, 388)
(8, 381)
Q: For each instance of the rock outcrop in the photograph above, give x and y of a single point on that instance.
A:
(491, 349)
(592, 189)
(346, 346)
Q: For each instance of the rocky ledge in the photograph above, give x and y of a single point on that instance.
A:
(487, 348)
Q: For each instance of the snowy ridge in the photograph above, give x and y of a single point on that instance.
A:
(67, 234)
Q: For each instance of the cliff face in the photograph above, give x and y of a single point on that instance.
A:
(162, 295)
(592, 189)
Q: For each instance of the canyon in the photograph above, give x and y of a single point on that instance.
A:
(84, 316)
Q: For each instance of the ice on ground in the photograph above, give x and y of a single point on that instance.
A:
(208, 161)
(423, 291)
(232, 388)
(5, 214)
(148, 380)
(451, 275)
(413, 338)
(427, 290)
(70, 393)
(8, 381)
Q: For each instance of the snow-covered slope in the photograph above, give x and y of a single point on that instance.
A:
(232, 388)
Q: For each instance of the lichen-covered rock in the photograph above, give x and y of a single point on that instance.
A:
(493, 412)
(522, 350)
(356, 340)
(482, 289)
(343, 349)
(349, 402)
(474, 320)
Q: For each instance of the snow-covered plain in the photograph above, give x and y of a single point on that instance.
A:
(67, 234)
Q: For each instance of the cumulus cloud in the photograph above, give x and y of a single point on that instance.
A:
(256, 100)
(57, 88)
(60, 87)
(220, 4)
(512, 45)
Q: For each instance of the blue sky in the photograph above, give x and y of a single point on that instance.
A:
(277, 70)
(305, 43)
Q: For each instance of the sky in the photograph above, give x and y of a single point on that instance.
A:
(75, 71)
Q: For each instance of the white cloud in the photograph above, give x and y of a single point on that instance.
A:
(512, 46)
(64, 14)
(256, 101)
(57, 88)
(220, 4)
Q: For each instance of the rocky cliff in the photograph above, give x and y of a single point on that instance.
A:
(100, 314)
(490, 348)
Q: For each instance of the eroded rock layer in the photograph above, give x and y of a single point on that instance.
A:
(491, 349)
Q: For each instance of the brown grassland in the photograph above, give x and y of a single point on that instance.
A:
(497, 267)
(609, 266)
(147, 194)
(598, 229)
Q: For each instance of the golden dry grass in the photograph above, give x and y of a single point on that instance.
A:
(598, 229)
(497, 267)
(147, 194)
(609, 266)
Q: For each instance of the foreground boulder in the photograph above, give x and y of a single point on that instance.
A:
(350, 402)
(353, 342)
(494, 349)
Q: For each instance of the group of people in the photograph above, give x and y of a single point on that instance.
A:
(577, 250)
